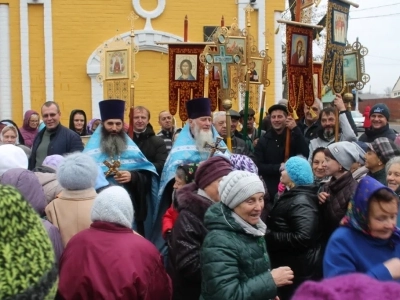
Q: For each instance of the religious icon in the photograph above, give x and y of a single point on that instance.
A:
(350, 67)
(255, 66)
(216, 73)
(298, 55)
(339, 27)
(237, 43)
(117, 64)
(185, 67)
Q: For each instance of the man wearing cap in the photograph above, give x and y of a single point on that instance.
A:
(270, 150)
(252, 131)
(124, 164)
(54, 138)
(379, 116)
(326, 133)
(239, 146)
(188, 148)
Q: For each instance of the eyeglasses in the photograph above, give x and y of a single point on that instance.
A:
(49, 116)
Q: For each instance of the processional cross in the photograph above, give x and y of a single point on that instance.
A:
(112, 168)
(214, 147)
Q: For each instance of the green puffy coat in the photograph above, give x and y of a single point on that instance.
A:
(234, 265)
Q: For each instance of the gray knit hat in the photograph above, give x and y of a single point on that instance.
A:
(113, 205)
(78, 171)
(345, 153)
(238, 186)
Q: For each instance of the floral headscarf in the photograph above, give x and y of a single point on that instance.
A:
(243, 163)
(189, 170)
(357, 210)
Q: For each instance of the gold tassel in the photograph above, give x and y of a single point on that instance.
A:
(317, 2)
(277, 30)
(295, 116)
(312, 113)
(317, 37)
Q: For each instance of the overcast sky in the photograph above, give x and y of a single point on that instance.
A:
(378, 29)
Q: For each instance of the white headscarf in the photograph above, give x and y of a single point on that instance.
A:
(12, 157)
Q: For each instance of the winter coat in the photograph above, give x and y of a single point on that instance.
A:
(62, 141)
(152, 146)
(346, 134)
(270, 153)
(310, 132)
(335, 207)
(379, 175)
(71, 211)
(367, 120)
(72, 125)
(235, 265)
(371, 134)
(49, 182)
(186, 239)
(28, 185)
(169, 220)
(294, 236)
(27, 132)
(108, 261)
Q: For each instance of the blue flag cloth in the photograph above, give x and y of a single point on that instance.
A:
(132, 159)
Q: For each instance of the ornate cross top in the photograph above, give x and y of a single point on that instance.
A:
(248, 9)
(215, 147)
(112, 168)
(132, 17)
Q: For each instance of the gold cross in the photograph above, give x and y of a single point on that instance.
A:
(132, 17)
(214, 147)
(112, 168)
(248, 9)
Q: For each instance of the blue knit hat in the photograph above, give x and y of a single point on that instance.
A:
(299, 171)
(380, 108)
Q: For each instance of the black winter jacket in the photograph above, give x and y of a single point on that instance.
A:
(270, 153)
(335, 207)
(152, 146)
(186, 239)
(294, 236)
(371, 134)
(62, 141)
(309, 132)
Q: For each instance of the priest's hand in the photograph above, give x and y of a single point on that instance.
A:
(124, 177)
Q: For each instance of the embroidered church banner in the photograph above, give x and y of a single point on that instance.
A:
(317, 72)
(299, 68)
(336, 28)
(213, 88)
(186, 76)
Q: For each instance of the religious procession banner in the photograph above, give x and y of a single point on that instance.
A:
(299, 68)
(336, 28)
(317, 74)
(186, 76)
(213, 88)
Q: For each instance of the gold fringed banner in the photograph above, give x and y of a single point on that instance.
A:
(186, 76)
(336, 28)
(317, 71)
(299, 68)
(213, 88)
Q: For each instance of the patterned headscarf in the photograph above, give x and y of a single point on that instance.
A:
(357, 210)
(189, 170)
(243, 163)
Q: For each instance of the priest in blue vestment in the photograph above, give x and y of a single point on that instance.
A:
(124, 164)
(188, 148)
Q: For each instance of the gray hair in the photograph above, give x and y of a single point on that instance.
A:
(319, 102)
(218, 114)
(391, 162)
(283, 102)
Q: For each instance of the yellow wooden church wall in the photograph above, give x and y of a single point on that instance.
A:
(79, 27)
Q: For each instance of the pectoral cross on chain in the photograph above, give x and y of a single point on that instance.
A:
(214, 147)
(112, 168)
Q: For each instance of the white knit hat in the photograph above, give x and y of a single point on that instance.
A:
(238, 186)
(12, 157)
(113, 205)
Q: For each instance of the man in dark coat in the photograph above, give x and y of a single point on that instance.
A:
(109, 260)
(310, 124)
(54, 138)
(379, 116)
(270, 150)
(152, 146)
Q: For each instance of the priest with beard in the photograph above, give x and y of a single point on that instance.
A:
(326, 134)
(111, 147)
(188, 148)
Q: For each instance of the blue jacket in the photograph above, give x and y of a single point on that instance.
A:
(62, 141)
(351, 251)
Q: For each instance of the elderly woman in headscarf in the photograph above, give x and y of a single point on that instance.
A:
(368, 240)
(10, 135)
(393, 178)
(234, 260)
(29, 129)
(92, 125)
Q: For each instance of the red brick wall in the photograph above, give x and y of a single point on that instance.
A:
(392, 103)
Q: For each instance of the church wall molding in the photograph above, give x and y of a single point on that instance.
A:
(5, 64)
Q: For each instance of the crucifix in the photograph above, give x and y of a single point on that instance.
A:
(112, 168)
(214, 147)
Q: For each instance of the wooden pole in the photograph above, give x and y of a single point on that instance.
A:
(185, 29)
(222, 22)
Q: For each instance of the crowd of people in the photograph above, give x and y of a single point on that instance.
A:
(176, 215)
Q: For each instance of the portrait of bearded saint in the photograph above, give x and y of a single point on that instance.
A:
(124, 164)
